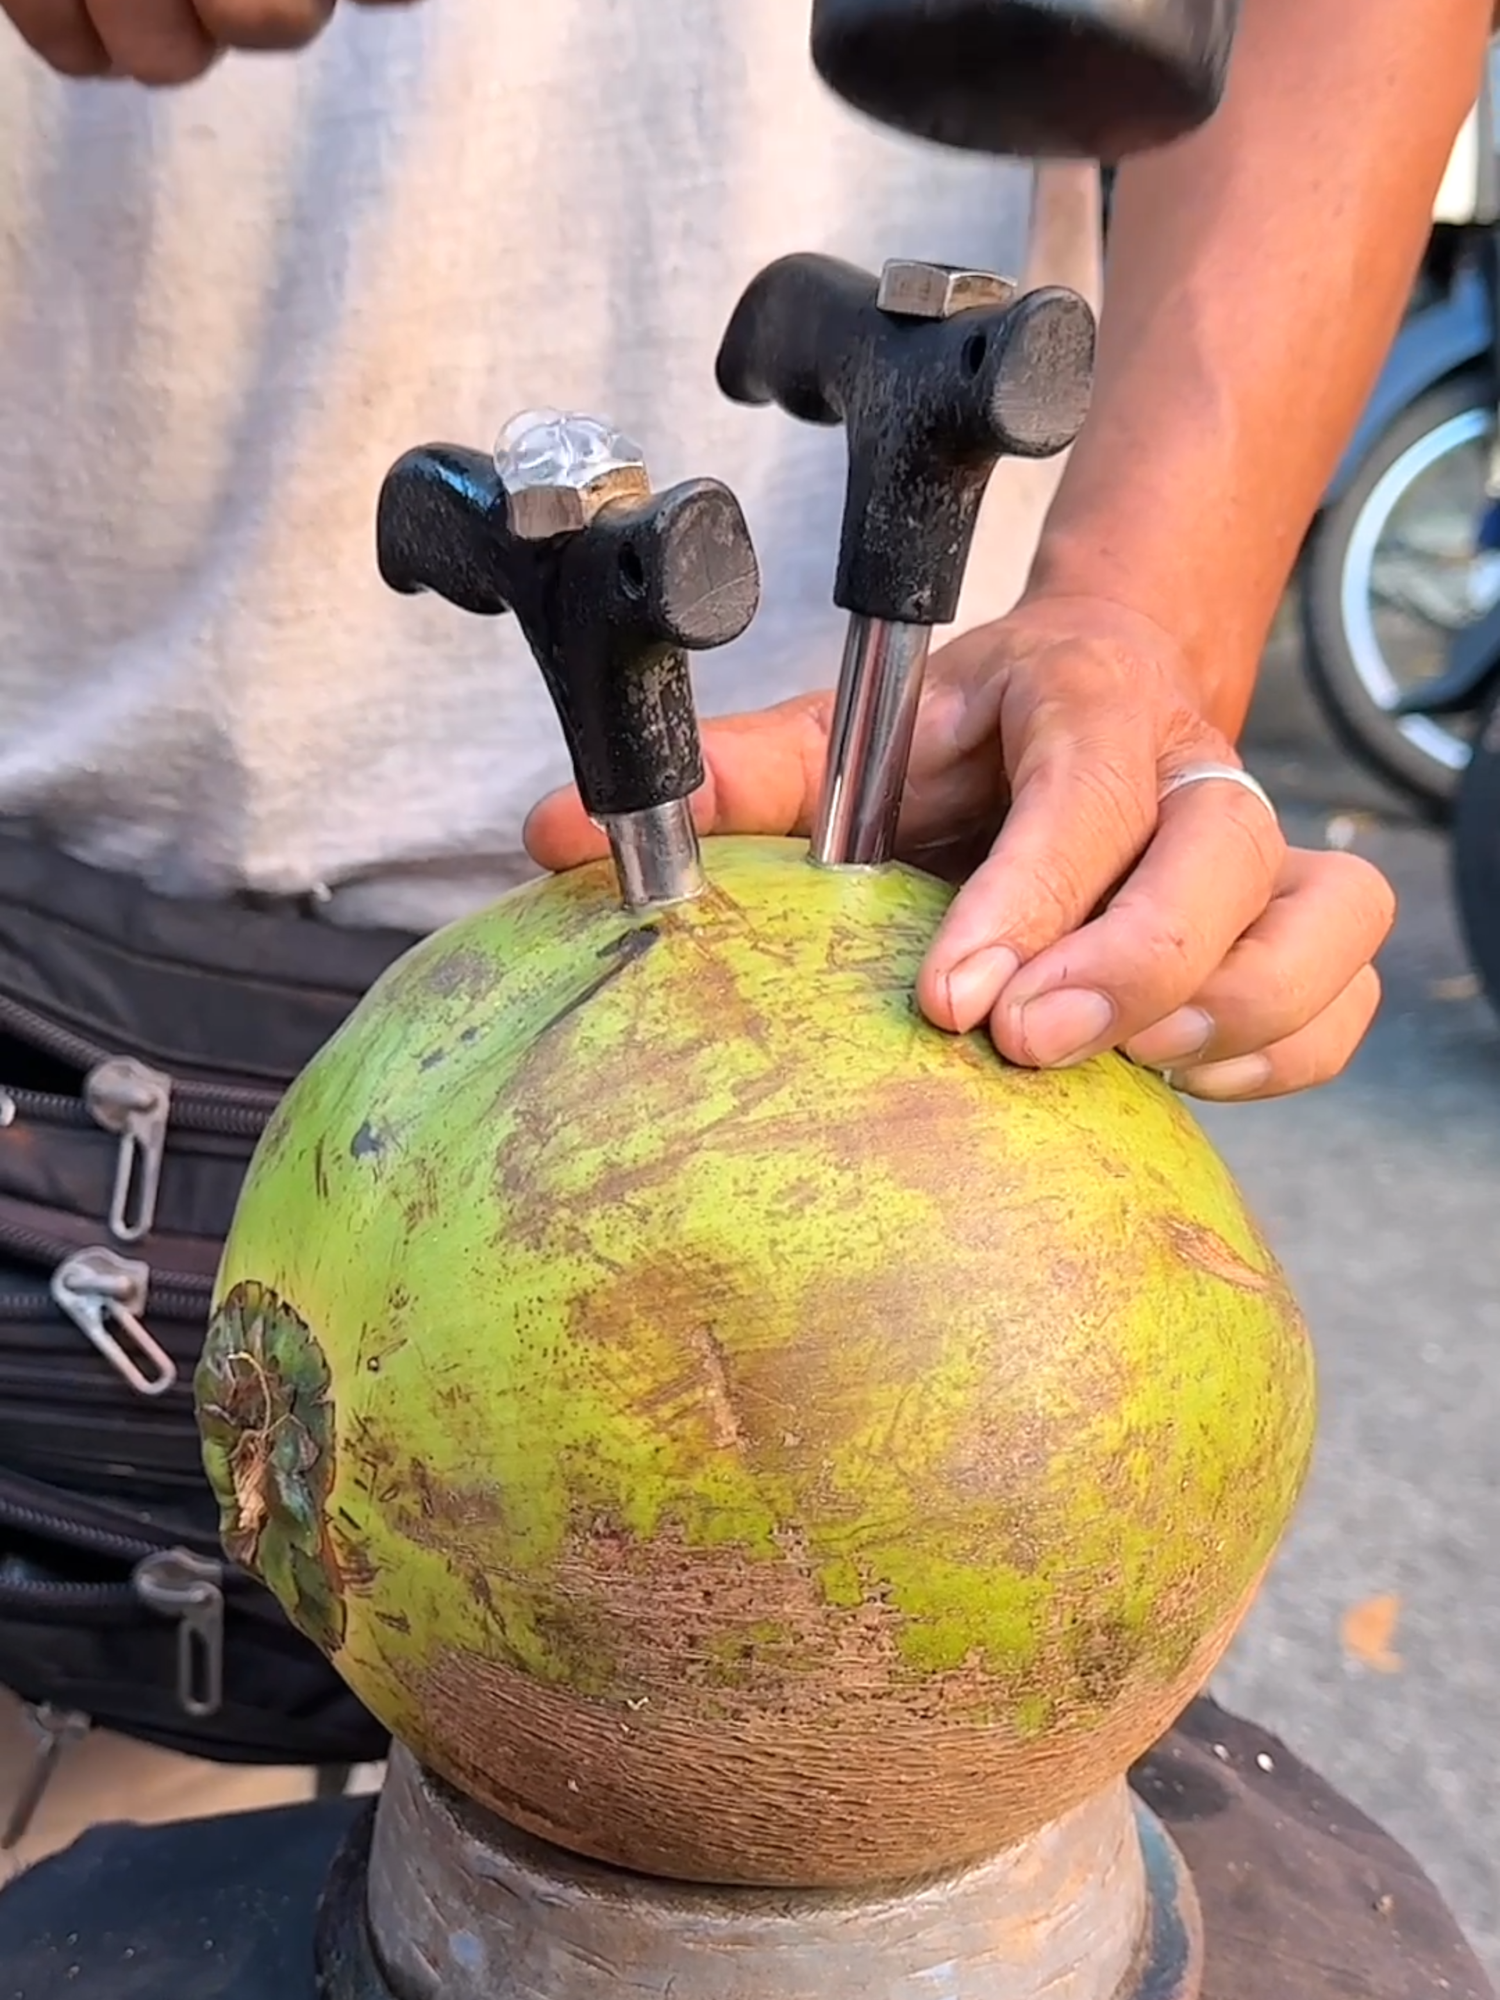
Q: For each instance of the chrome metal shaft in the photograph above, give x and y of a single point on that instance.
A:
(869, 748)
(656, 855)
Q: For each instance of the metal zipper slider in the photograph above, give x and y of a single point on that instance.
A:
(181, 1585)
(127, 1098)
(100, 1292)
(54, 1729)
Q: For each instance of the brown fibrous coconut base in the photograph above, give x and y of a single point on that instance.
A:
(773, 1802)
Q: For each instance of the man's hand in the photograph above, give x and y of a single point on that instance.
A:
(1186, 933)
(163, 41)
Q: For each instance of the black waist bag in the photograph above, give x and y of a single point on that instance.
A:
(144, 1043)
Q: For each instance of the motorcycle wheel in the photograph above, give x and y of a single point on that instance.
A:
(1476, 853)
(1385, 583)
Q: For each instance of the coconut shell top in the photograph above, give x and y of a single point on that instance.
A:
(725, 1425)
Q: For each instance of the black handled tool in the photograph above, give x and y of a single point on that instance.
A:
(935, 374)
(612, 585)
(1085, 79)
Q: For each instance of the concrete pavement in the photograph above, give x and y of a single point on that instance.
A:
(1375, 1650)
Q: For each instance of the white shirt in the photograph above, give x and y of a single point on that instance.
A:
(225, 311)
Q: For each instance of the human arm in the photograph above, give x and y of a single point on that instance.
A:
(1257, 273)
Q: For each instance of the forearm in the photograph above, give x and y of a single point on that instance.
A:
(1257, 273)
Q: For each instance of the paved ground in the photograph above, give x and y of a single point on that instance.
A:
(1375, 1650)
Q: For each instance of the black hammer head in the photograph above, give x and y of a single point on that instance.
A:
(1073, 79)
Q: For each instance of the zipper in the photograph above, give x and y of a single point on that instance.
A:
(25, 1519)
(177, 1581)
(173, 1583)
(136, 1103)
(65, 1600)
(104, 1296)
(245, 1121)
(186, 1299)
(81, 1054)
(177, 1584)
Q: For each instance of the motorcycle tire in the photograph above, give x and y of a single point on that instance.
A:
(1476, 854)
(1422, 757)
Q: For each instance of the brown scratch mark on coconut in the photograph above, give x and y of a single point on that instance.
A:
(320, 1171)
(717, 916)
(373, 1455)
(482, 1593)
(357, 1567)
(459, 1522)
(426, 1491)
(1203, 1247)
(731, 1130)
(714, 1003)
(718, 1389)
(543, 1103)
(664, 1305)
(378, 1343)
(425, 1202)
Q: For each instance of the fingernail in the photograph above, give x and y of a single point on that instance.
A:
(1241, 1076)
(974, 984)
(1064, 1027)
(1176, 1038)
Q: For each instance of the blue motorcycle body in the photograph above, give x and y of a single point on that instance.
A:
(1457, 330)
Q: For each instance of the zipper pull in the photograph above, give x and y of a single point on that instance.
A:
(127, 1098)
(54, 1729)
(99, 1292)
(186, 1587)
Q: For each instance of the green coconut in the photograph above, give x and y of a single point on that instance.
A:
(725, 1425)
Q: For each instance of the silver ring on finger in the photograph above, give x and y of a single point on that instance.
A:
(1229, 774)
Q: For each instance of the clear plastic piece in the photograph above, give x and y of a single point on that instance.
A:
(550, 449)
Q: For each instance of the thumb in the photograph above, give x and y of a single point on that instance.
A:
(763, 774)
